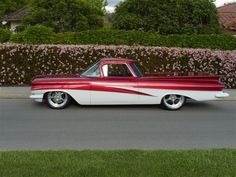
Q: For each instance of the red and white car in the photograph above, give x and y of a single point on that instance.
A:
(113, 81)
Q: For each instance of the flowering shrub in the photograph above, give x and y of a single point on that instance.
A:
(20, 63)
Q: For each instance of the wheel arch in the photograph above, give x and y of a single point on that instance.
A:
(176, 93)
(71, 97)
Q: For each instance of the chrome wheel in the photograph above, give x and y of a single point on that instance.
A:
(57, 99)
(173, 102)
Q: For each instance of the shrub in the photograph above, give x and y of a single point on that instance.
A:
(20, 63)
(4, 35)
(34, 35)
(120, 37)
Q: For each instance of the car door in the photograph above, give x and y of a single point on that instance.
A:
(114, 87)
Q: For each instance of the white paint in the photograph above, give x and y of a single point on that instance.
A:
(113, 98)
(105, 70)
(85, 97)
(80, 96)
(196, 95)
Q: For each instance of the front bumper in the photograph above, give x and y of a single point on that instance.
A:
(38, 97)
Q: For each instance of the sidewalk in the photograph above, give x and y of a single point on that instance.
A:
(14, 92)
(24, 92)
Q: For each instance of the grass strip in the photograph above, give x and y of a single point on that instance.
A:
(127, 163)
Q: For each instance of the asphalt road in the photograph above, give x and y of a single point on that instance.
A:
(25, 124)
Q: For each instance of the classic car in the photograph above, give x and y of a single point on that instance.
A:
(116, 81)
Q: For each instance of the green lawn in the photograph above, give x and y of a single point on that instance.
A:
(130, 163)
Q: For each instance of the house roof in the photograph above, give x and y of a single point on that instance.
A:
(17, 15)
(227, 16)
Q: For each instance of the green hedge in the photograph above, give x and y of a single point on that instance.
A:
(20, 63)
(4, 35)
(119, 37)
(38, 34)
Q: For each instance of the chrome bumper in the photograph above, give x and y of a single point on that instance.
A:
(37, 97)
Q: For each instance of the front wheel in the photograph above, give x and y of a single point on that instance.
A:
(58, 99)
(173, 102)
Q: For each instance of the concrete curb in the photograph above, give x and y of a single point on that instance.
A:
(24, 93)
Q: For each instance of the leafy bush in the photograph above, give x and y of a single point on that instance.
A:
(4, 35)
(167, 17)
(120, 37)
(106, 37)
(20, 63)
(34, 35)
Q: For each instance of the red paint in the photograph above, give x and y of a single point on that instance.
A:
(117, 90)
(110, 84)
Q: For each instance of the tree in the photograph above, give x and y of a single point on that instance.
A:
(65, 15)
(9, 6)
(99, 3)
(167, 16)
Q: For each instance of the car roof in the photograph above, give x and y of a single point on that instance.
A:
(118, 60)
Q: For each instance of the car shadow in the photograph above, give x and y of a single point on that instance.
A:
(189, 105)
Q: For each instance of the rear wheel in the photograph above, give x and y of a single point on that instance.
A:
(58, 99)
(173, 102)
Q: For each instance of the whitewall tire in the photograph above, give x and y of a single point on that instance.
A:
(173, 102)
(58, 99)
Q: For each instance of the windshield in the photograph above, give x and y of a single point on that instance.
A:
(93, 71)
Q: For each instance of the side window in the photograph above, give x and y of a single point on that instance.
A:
(116, 70)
